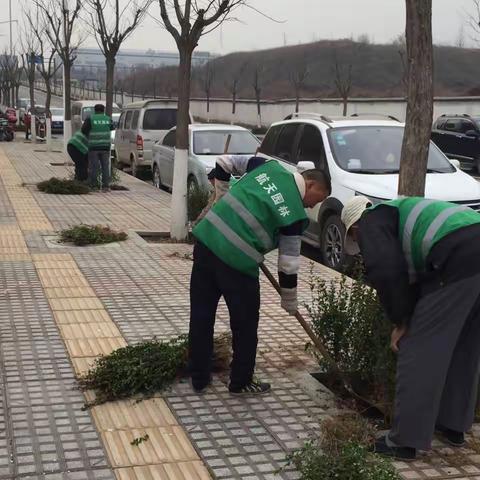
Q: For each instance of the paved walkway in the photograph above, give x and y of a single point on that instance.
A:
(63, 306)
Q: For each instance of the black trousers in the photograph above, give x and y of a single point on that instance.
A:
(212, 278)
(81, 163)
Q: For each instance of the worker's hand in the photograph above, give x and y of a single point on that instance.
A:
(289, 300)
(397, 334)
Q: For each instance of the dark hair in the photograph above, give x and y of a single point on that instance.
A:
(320, 177)
(99, 108)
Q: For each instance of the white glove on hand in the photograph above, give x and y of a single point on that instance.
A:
(289, 300)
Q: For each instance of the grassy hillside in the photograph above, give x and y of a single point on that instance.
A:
(376, 71)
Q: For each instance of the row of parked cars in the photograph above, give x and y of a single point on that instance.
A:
(360, 153)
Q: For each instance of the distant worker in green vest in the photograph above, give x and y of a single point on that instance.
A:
(77, 148)
(423, 258)
(97, 129)
(264, 210)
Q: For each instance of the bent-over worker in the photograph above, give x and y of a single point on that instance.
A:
(423, 258)
(264, 210)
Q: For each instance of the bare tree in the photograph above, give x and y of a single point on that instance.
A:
(234, 85)
(10, 76)
(112, 25)
(207, 83)
(46, 67)
(298, 77)
(342, 78)
(61, 18)
(416, 139)
(460, 40)
(257, 84)
(187, 21)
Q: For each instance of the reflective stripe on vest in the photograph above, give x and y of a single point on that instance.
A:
(433, 229)
(436, 225)
(250, 220)
(407, 234)
(232, 237)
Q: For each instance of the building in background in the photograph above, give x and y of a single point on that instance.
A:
(89, 65)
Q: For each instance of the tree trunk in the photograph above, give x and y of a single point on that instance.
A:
(234, 102)
(178, 228)
(67, 103)
(297, 101)
(345, 106)
(416, 140)
(259, 110)
(48, 99)
(110, 64)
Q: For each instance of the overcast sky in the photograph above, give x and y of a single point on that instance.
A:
(300, 21)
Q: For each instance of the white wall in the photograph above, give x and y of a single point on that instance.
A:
(221, 109)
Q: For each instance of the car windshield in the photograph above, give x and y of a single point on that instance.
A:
(376, 150)
(58, 112)
(214, 143)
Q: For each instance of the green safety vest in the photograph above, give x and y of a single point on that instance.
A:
(244, 225)
(80, 142)
(423, 223)
(99, 137)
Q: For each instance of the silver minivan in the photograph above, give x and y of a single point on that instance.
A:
(140, 126)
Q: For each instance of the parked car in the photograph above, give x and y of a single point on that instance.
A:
(458, 136)
(207, 141)
(81, 110)
(57, 119)
(140, 126)
(362, 157)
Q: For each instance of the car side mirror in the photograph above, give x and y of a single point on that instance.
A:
(455, 163)
(472, 133)
(303, 166)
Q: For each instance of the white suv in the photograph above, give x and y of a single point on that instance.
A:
(362, 157)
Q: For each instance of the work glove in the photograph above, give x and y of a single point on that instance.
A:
(289, 300)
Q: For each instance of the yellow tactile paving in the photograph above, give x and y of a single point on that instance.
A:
(168, 471)
(164, 445)
(69, 292)
(92, 347)
(84, 303)
(83, 364)
(78, 316)
(130, 414)
(88, 332)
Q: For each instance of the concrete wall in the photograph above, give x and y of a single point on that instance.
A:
(221, 109)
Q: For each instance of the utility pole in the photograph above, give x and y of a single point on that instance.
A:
(10, 21)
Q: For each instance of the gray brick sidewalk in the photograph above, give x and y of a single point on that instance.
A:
(144, 288)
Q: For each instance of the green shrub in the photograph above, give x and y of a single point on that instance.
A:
(91, 235)
(197, 201)
(144, 369)
(349, 318)
(147, 368)
(63, 186)
(353, 462)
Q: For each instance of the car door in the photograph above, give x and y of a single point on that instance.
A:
(286, 145)
(468, 143)
(167, 157)
(453, 137)
(310, 153)
(118, 137)
(127, 140)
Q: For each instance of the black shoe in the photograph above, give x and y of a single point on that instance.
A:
(454, 438)
(253, 388)
(200, 387)
(400, 453)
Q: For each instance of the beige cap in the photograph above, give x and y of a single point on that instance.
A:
(351, 214)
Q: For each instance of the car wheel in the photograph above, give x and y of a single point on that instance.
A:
(157, 180)
(331, 242)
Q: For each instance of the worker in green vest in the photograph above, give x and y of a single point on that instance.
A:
(77, 148)
(97, 129)
(423, 258)
(264, 210)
